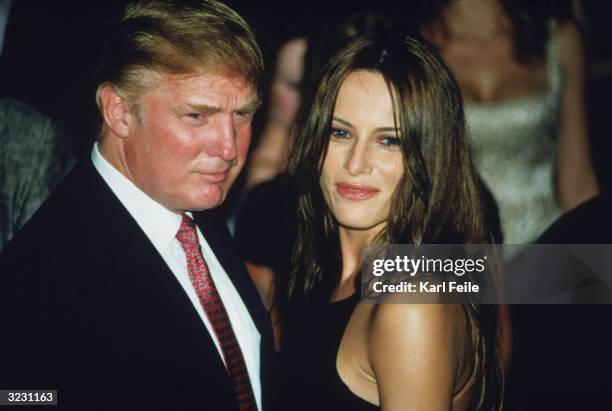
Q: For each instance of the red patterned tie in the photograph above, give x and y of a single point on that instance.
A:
(215, 311)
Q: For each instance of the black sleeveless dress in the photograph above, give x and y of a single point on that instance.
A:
(308, 361)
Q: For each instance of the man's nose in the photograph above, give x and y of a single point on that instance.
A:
(358, 161)
(224, 139)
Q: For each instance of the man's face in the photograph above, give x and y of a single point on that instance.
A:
(190, 139)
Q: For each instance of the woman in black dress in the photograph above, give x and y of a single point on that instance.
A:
(381, 157)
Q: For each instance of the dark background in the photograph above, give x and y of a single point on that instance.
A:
(51, 49)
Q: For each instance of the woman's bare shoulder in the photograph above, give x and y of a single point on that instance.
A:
(424, 317)
(421, 343)
(417, 330)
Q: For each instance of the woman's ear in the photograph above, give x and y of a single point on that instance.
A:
(115, 111)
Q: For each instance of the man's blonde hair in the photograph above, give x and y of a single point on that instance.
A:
(176, 37)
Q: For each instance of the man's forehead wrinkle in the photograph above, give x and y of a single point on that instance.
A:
(206, 92)
(208, 103)
(213, 77)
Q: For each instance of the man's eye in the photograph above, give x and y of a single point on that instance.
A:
(339, 133)
(194, 116)
(243, 116)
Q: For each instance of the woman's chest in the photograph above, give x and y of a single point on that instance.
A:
(352, 361)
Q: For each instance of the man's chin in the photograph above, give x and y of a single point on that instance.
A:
(207, 203)
(199, 198)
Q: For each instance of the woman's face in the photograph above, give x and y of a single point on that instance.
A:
(285, 94)
(364, 163)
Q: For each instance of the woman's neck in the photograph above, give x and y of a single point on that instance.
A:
(351, 246)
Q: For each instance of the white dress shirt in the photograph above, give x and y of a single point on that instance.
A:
(160, 226)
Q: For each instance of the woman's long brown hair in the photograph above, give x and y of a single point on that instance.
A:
(436, 201)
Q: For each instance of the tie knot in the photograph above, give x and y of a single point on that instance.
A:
(187, 235)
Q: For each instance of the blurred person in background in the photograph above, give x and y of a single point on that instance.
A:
(259, 213)
(273, 142)
(521, 69)
(34, 157)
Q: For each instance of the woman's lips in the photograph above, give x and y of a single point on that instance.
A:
(356, 192)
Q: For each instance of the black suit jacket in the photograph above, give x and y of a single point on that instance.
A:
(90, 308)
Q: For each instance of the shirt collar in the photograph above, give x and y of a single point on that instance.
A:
(158, 223)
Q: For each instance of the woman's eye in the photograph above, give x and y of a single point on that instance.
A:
(338, 133)
(390, 141)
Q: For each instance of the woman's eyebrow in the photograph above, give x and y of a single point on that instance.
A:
(391, 129)
(379, 129)
(339, 120)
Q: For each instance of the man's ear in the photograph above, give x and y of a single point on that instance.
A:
(115, 111)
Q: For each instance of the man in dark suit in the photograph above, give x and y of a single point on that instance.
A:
(123, 291)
